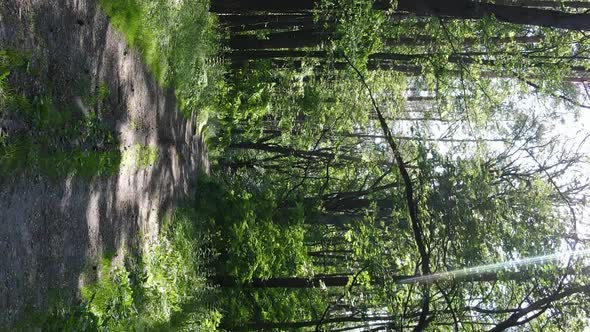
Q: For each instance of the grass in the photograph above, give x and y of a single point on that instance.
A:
(56, 142)
(162, 289)
(59, 144)
(9, 60)
(176, 40)
(140, 156)
(28, 156)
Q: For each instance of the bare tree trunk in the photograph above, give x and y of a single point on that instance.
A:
(313, 37)
(463, 9)
(466, 9)
(544, 3)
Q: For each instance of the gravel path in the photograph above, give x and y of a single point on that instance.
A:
(52, 232)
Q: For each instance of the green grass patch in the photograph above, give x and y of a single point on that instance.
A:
(59, 143)
(163, 289)
(9, 60)
(140, 156)
(96, 100)
(176, 40)
(27, 156)
(56, 141)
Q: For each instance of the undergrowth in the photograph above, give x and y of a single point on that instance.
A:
(163, 289)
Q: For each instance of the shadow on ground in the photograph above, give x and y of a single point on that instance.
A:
(53, 231)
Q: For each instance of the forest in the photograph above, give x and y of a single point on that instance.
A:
(364, 165)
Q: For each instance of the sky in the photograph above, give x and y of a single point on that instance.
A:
(571, 129)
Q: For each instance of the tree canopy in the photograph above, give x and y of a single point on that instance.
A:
(374, 142)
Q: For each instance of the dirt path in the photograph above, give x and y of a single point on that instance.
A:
(52, 231)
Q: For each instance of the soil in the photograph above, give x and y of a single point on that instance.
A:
(52, 232)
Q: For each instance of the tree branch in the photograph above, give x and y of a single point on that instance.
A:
(412, 206)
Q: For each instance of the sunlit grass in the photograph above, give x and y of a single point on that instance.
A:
(140, 156)
(176, 41)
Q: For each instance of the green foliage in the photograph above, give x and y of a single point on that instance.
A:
(254, 237)
(358, 27)
(4, 72)
(242, 102)
(10, 60)
(110, 300)
(96, 100)
(243, 306)
(164, 289)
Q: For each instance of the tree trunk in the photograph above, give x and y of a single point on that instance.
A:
(288, 39)
(336, 220)
(385, 61)
(237, 23)
(312, 38)
(556, 4)
(410, 70)
(462, 9)
(288, 151)
(341, 280)
(237, 20)
(466, 9)
(289, 326)
(245, 6)
(287, 282)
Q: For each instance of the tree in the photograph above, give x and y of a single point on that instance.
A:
(405, 149)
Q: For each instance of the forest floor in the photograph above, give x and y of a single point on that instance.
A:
(54, 229)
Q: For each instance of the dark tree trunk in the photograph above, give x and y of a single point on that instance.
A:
(288, 151)
(236, 20)
(288, 39)
(341, 280)
(463, 9)
(239, 23)
(329, 219)
(313, 38)
(385, 61)
(466, 9)
(288, 282)
(444, 140)
(245, 6)
(298, 64)
(354, 204)
(289, 326)
(556, 4)
(410, 70)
